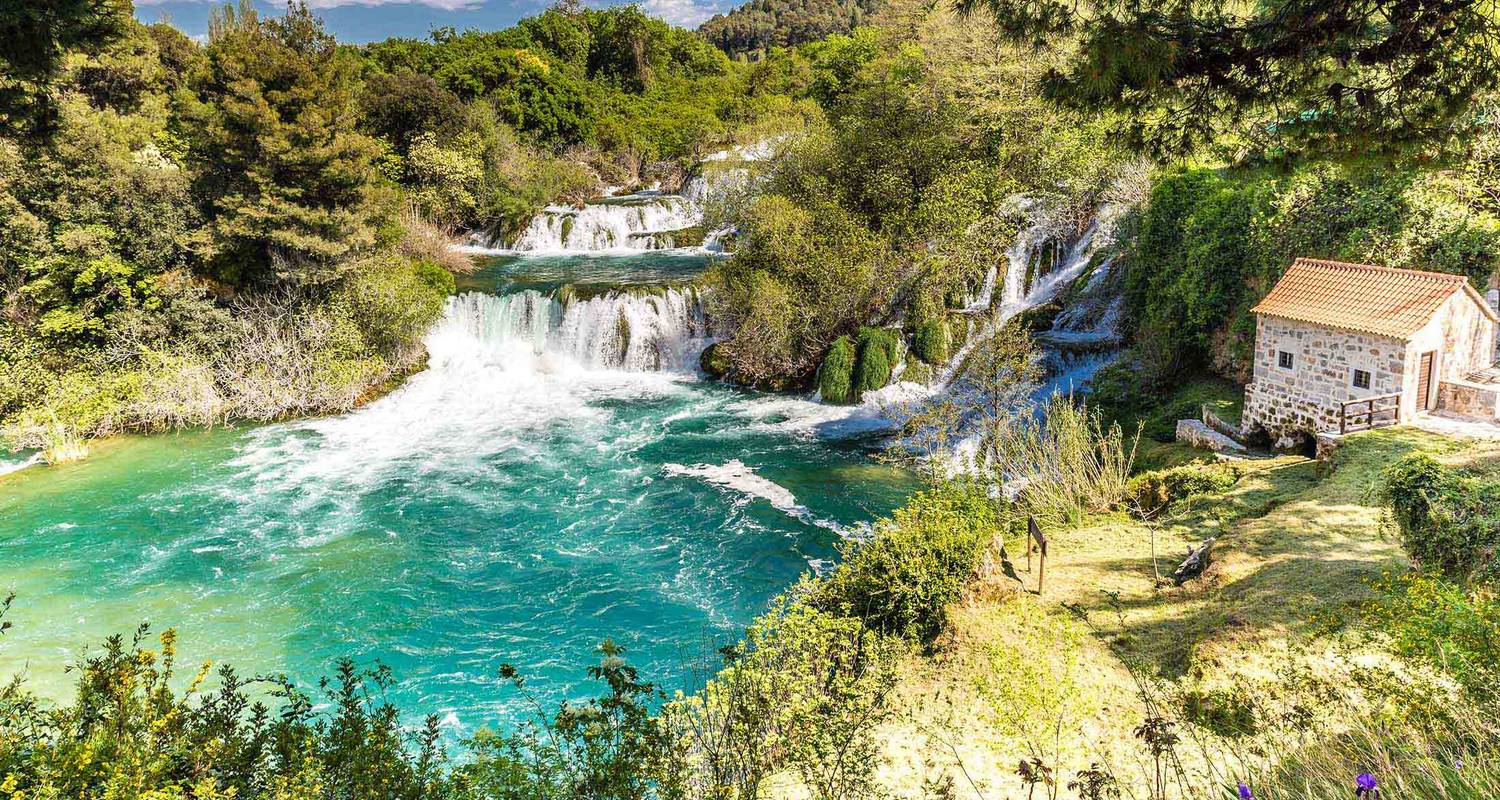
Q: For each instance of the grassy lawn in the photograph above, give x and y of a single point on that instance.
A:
(1298, 544)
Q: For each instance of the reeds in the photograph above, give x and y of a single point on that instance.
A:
(1063, 463)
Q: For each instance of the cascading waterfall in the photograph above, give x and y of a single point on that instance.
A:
(638, 331)
(635, 222)
(1039, 266)
(648, 220)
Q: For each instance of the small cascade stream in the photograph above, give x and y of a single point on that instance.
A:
(1040, 266)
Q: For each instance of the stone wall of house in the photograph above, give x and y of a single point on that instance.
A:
(1469, 399)
(1463, 339)
(1305, 400)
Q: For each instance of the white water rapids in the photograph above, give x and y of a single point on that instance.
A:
(639, 331)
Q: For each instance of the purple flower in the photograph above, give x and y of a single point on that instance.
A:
(1365, 785)
(1245, 793)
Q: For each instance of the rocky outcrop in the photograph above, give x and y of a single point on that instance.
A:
(1196, 433)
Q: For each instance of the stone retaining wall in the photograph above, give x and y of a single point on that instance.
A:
(1469, 399)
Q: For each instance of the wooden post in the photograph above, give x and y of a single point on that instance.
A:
(1035, 535)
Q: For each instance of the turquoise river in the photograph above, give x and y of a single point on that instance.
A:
(558, 475)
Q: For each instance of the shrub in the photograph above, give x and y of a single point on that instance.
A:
(836, 375)
(1442, 516)
(804, 692)
(1151, 492)
(877, 351)
(903, 579)
(1446, 625)
(930, 341)
(1064, 463)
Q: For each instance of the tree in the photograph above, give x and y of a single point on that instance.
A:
(275, 147)
(1309, 75)
(35, 36)
(399, 108)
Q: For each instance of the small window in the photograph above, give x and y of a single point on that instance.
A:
(1361, 379)
(1283, 359)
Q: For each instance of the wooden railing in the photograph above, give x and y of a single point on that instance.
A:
(1369, 412)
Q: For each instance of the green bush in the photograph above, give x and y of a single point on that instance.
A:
(877, 352)
(1151, 492)
(1445, 519)
(1447, 625)
(918, 562)
(836, 375)
(930, 341)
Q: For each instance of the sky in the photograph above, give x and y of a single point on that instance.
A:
(360, 21)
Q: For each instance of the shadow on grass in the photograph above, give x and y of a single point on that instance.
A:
(1298, 546)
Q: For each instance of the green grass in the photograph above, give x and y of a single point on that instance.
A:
(1299, 545)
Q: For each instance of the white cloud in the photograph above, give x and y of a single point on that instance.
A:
(686, 13)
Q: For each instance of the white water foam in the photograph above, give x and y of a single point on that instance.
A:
(736, 476)
(502, 372)
(627, 224)
(11, 464)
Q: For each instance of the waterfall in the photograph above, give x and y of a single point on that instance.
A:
(1039, 266)
(633, 222)
(639, 331)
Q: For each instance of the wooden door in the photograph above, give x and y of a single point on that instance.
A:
(1424, 379)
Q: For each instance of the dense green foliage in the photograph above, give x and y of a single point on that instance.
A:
(203, 235)
(274, 146)
(1157, 490)
(755, 27)
(836, 373)
(35, 39)
(1317, 75)
(894, 208)
(494, 124)
(1209, 244)
(902, 581)
(1448, 625)
(1447, 521)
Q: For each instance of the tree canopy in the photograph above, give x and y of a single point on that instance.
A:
(1307, 76)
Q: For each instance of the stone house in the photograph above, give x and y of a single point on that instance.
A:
(1341, 347)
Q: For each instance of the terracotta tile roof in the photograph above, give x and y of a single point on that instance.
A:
(1363, 298)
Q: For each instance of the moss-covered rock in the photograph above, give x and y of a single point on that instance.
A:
(713, 361)
(916, 371)
(836, 374)
(929, 341)
(1038, 318)
(873, 369)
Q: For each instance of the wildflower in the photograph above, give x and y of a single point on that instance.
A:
(1365, 786)
(1245, 793)
(1458, 765)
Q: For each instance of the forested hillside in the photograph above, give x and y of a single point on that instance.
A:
(750, 30)
(259, 226)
